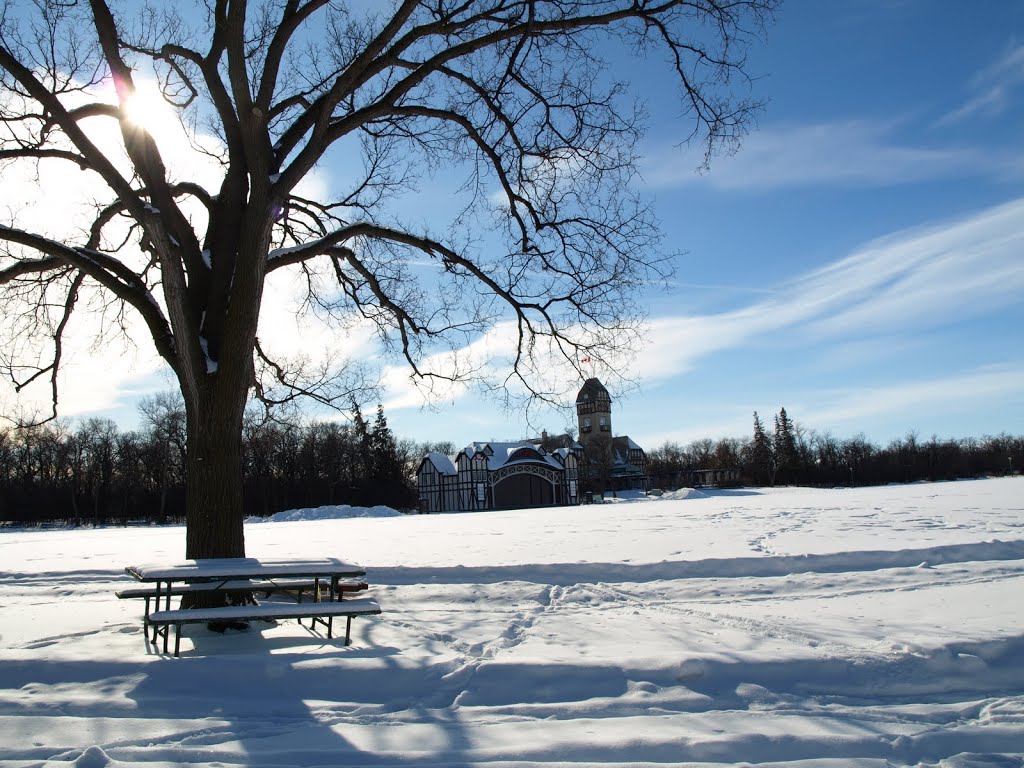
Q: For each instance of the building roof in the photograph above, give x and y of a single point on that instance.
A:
(621, 446)
(441, 463)
(625, 442)
(553, 442)
(592, 390)
(504, 454)
(563, 452)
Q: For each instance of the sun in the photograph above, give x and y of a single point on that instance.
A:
(146, 108)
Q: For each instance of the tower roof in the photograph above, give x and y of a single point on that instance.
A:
(591, 391)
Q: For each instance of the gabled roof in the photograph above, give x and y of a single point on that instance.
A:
(504, 454)
(621, 446)
(441, 463)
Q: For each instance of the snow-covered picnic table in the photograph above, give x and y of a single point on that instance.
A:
(328, 577)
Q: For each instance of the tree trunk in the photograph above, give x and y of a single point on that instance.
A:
(214, 477)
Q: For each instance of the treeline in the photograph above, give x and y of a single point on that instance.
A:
(91, 473)
(789, 454)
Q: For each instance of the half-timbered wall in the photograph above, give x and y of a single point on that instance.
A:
(529, 480)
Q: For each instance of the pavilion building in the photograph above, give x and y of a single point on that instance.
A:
(538, 473)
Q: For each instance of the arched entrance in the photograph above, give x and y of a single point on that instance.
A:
(523, 485)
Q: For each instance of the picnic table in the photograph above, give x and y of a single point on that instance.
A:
(328, 577)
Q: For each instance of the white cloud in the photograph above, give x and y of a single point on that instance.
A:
(916, 279)
(906, 398)
(486, 360)
(484, 354)
(93, 378)
(851, 153)
(59, 199)
(992, 89)
(927, 276)
(920, 278)
(286, 331)
(908, 402)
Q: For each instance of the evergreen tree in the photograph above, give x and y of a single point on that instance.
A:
(362, 463)
(383, 450)
(785, 446)
(389, 483)
(761, 454)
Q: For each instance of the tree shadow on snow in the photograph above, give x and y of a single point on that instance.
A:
(760, 566)
(271, 699)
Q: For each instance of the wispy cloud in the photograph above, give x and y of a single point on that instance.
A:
(905, 403)
(915, 279)
(839, 407)
(849, 153)
(486, 365)
(93, 378)
(992, 90)
(403, 390)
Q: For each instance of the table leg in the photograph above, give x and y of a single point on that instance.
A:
(167, 627)
(156, 604)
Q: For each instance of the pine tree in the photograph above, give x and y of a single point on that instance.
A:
(785, 445)
(364, 462)
(761, 454)
(383, 450)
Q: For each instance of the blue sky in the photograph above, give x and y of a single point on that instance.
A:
(860, 260)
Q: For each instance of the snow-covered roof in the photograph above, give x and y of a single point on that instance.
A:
(441, 463)
(504, 454)
(620, 449)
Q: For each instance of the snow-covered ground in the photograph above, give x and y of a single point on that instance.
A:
(796, 627)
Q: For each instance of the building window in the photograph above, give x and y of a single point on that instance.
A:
(481, 493)
(586, 425)
(604, 424)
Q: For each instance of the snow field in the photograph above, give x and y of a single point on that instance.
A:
(771, 627)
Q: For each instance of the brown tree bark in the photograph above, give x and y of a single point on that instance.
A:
(214, 514)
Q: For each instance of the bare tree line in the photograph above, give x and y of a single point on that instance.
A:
(92, 473)
(795, 455)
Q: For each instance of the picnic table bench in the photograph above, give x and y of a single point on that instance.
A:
(328, 578)
(266, 588)
(321, 612)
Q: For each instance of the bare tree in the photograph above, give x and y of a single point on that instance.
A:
(514, 94)
(163, 417)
